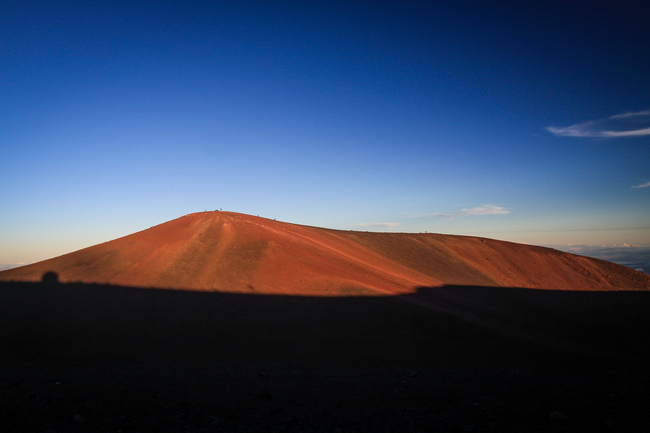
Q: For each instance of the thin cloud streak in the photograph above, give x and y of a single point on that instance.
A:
(643, 185)
(378, 225)
(616, 126)
(486, 209)
(631, 114)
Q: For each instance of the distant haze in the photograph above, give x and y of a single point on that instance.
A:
(637, 258)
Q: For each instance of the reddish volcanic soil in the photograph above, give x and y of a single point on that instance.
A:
(236, 253)
(222, 322)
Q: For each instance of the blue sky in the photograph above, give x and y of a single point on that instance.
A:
(522, 121)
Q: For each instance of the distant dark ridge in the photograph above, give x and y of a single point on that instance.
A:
(10, 266)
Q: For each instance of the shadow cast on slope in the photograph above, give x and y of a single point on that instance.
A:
(439, 326)
(122, 357)
(600, 325)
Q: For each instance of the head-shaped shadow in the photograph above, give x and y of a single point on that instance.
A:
(50, 277)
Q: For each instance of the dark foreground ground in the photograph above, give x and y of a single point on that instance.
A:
(88, 358)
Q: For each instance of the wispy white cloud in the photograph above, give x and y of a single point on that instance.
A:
(378, 225)
(486, 209)
(643, 185)
(631, 124)
(631, 114)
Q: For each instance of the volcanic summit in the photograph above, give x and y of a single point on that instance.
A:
(232, 252)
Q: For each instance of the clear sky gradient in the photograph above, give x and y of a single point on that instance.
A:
(522, 121)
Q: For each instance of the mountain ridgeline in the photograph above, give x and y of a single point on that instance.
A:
(237, 253)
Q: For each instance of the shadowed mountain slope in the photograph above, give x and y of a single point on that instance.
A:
(230, 252)
(88, 357)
